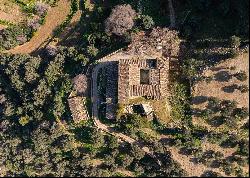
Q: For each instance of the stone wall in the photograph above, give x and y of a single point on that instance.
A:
(134, 75)
(123, 83)
(152, 91)
(78, 109)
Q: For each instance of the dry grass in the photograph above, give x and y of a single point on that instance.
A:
(162, 110)
(160, 107)
(70, 36)
(191, 168)
(2, 26)
(215, 87)
(137, 100)
(126, 172)
(11, 12)
(96, 162)
(54, 18)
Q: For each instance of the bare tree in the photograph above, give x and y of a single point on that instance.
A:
(121, 20)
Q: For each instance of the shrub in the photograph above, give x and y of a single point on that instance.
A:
(137, 152)
(124, 160)
(13, 36)
(242, 76)
(147, 21)
(227, 107)
(243, 148)
(234, 42)
(243, 88)
(34, 24)
(241, 112)
(214, 103)
(233, 53)
(92, 50)
(121, 20)
(41, 8)
(21, 39)
(51, 50)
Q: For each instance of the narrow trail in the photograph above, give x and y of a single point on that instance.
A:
(65, 38)
(172, 14)
(56, 15)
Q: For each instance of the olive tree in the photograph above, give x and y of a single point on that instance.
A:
(120, 20)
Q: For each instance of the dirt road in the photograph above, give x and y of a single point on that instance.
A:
(55, 17)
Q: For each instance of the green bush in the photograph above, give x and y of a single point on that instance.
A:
(234, 42)
(233, 53)
(14, 35)
(147, 21)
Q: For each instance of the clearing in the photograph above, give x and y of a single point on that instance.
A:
(11, 12)
(219, 87)
(54, 18)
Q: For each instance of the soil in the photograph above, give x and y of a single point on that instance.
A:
(54, 18)
(11, 12)
(222, 74)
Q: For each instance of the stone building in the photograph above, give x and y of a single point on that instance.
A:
(142, 78)
(144, 66)
(77, 99)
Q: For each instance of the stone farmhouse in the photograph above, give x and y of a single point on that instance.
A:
(142, 69)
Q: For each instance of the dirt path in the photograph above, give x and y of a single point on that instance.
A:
(70, 36)
(55, 17)
(172, 14)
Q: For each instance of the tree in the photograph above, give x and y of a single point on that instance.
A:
(121, 20)
(234, 42)
(191, 68)
(41, 8)
(51, 50)
(97, 138)
(24, 120)
(137, 152)
(112, 142)
(147, 21)
(54, 70)
(124, 160)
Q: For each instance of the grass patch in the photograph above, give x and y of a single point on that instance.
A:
(73, 9)
(161, 110)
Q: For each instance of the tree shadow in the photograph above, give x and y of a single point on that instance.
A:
(222, 76)
(216, 121)
(229, 143)
(199, 99)
(209, 173)
(187, 151)
(230, 88)
(196, 112)
(168, 141)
